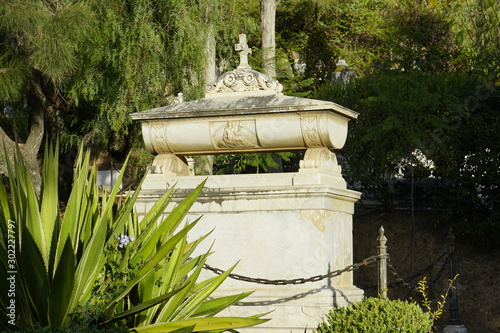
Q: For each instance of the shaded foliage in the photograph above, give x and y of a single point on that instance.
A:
(253, 163)
(418, 37)
(451, 118)
(318, 33)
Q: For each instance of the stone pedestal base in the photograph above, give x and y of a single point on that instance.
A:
(293, 309)
(454, 329)
(277, 226)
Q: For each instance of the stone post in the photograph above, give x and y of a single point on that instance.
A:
(382, 263)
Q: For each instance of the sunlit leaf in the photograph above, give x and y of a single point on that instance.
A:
(202, 324)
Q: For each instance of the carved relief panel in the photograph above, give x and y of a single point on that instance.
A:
(234, 134)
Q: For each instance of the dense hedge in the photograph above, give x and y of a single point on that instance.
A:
(377, 315)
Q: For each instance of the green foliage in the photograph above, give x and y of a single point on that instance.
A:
(478, 28)
(448, 117)
(41, 36)
(296, 85)
(39, 44)
(249, 163)
(418, 37)
(74, 273)
(122, 70)
(321, 32)
(377, 315)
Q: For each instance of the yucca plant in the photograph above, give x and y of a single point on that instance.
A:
(95, 265)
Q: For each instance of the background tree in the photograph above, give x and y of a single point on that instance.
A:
(422, 98)
(478, 28)
(268, 30)
(132, 55)
(418, 36)
(142, 54)
(38, 49)
(318, 33)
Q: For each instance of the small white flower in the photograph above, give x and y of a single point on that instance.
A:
(124, 240)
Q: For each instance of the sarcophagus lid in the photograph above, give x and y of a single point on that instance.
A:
(244, 111)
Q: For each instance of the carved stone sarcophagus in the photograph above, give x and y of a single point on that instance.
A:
(277, 225)
(244, 111)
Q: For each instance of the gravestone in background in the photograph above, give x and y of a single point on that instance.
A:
(278, 226)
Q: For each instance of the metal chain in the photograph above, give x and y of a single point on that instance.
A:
(315, 278)
(441, 271)
(399, 278)
(401, 281)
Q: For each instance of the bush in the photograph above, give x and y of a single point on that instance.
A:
(95, 267)
(377, 315)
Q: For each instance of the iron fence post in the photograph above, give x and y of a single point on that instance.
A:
(454, 324)
(382, 263)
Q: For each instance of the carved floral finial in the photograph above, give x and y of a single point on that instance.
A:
(243, 79)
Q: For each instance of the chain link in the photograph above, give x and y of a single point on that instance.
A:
(404, 282)
(365, 262)
(399, 278)
(315, 278)
(441, 271)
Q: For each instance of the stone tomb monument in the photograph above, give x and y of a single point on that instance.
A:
(279, 225)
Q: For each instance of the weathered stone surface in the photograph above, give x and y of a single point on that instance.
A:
(244, 134)
(278, 226)
(241, 104)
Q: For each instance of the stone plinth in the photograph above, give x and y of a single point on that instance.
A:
(278, 226)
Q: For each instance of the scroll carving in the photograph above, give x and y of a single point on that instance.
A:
(322, 159)
(242, 80)
(170, 164)
(158, 138)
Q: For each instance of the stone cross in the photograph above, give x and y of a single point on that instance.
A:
(244, 50)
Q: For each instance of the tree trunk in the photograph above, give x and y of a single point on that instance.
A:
(203, 165)
(268, 28)
(210, 70)
(29, 150)
(268, 24)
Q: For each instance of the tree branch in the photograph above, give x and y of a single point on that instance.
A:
(8, 146)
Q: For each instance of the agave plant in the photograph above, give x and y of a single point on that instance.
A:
(95, 264)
